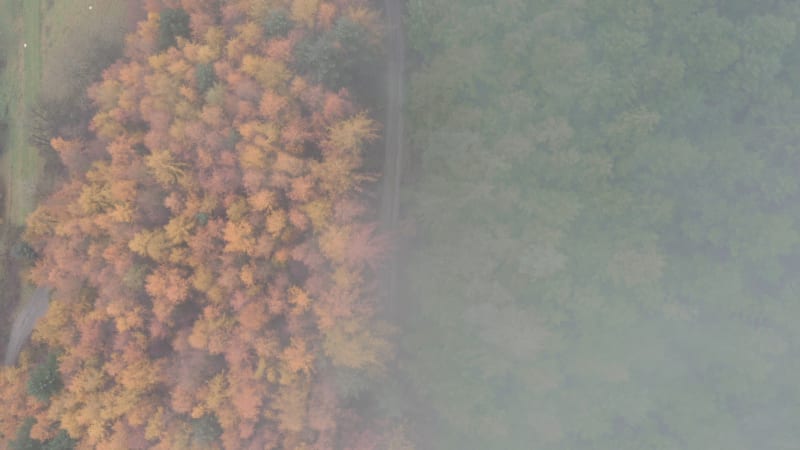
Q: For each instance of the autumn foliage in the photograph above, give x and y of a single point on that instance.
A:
(211, 253)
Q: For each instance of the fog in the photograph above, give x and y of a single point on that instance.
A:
(600, 211)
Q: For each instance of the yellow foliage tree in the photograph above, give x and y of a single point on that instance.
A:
(150, 243)
(164, 167)
(304, 11)
(350, 135)
(238, 236)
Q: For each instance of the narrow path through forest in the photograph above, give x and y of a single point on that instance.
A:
(34, 308)
(394, 133)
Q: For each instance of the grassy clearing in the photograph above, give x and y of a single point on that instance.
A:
(22, 164)
(71, 29)
(20, 85)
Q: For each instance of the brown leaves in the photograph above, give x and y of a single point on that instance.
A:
(239, 237)
(253, 315)
(333, 243)
(262, 201)
(168, 287)
(297, 356)
(272, 104)
(164, 167)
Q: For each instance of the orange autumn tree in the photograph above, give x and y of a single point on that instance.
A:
(211, 267)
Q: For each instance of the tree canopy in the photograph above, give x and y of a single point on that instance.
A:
(606, 224)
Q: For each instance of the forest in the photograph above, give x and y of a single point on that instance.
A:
(606, 205)
(209, 245)
(597, 248)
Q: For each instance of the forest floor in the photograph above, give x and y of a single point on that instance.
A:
(40, 39)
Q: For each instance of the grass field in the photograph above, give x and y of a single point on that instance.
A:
(19, 164)
(71, 28)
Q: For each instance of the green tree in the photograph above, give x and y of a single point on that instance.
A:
(173, 23)
(61, 441)
(23, 440)
(333, 57)
(277, 24)
(45, 380)
(205, 77)
(205, 430)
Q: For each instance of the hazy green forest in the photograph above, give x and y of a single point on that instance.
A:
(606, 204)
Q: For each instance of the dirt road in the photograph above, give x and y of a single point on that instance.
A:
(33, 309)
(394, 133)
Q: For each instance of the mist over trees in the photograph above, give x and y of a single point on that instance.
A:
(606, 246)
